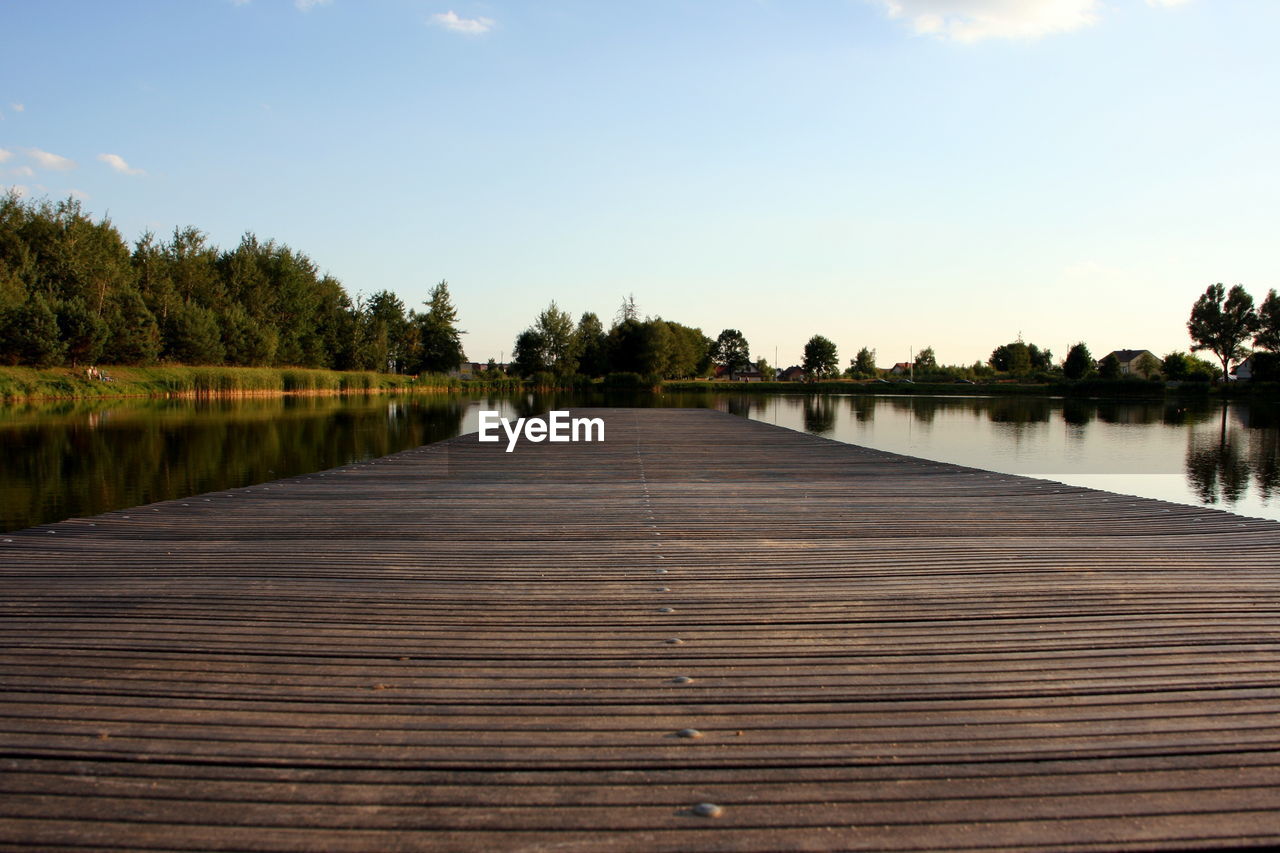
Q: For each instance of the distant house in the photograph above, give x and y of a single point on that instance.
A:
(792, 374)
(1129, 359)
(472, 369)
(748, 374)
(900, 368)
(1243, 370)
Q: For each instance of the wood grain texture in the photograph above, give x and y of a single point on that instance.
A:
(571, 646)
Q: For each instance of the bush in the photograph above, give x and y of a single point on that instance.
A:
(626, 380)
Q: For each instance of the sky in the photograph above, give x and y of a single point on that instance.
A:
(891, 174)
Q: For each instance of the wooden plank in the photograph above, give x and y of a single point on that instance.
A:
(459, 648)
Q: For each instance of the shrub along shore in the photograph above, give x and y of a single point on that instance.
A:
(18, 384)
(62, 383)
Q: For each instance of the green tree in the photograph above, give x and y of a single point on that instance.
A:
(767, 372)
(30, 334)
(192, 335)
(1148, 366)
(330, 340)
(246, 340)
(1012, 358)
(17, 262)
(1109, 367)
(151, 276)
(820, 360)
(1079, 362)
(439, 339)
(863, 366)
(1040, 359)
(1221, 322)
(1179, 366)
(193, 269)
(731, 351)
(689, 352)
(590, 346)
(528, 354)
(554, 333)
(642, 347)
(1268, 336)
(1176, 366)
(82, 332)
(387, 331)
(134, 335)
(628, 311)
(296, 303)
(926, 361)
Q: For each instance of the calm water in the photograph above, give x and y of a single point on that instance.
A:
(1206, 454)
(82, 459)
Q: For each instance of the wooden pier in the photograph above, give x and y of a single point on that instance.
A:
(705, 633)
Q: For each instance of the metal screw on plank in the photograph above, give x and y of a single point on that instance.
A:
(660, 571)
(707, 810)
(689, 733)
(674, 641)
(660, 609)
(668, 589)
(681, 679)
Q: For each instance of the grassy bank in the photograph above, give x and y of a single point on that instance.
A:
(61, 383)
(1125, 388)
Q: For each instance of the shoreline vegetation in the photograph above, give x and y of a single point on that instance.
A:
(182, 317)
(29, 384)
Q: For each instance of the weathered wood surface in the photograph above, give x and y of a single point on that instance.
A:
(458, 648)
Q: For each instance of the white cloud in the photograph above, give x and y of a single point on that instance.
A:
(25, 172)
(117, 162)
(470, 26)
(51, 161)
(80, 194)
(308, 5)
(973, 20)
(17, 108)
(1167, 2)
(5, 155)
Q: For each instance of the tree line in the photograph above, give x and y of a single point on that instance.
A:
(652, 348)
(74, 292)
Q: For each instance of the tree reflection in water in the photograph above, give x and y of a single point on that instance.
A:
(85, 459)
(1221, 465)
(76, 459)
(819, 414)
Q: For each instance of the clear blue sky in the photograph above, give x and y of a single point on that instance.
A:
(888, 173)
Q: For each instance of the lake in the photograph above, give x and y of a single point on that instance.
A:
(74, 459)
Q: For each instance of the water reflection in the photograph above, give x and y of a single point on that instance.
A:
(819, 414)
(73, 459)
(1192, 450)
(1221, 465)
